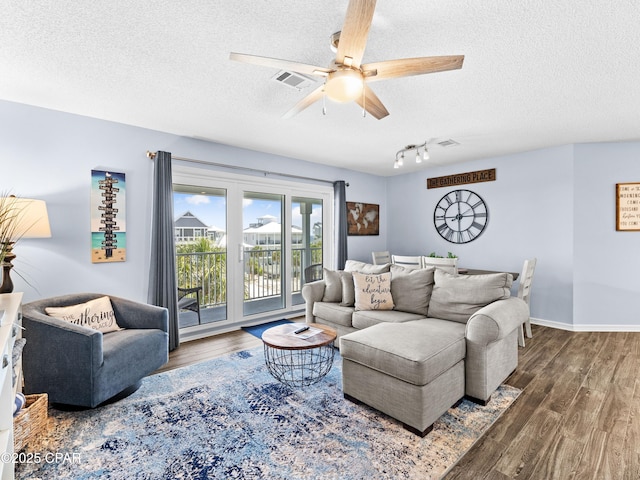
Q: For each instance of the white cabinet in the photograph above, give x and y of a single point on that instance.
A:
(9, 330)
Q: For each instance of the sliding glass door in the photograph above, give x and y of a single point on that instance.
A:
(201, 250)
(307, 241)
(246, 243)
(263, 246)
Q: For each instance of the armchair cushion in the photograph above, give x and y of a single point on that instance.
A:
(97, 314)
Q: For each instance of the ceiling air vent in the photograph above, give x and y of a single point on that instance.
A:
(448, 143)
(293, 80)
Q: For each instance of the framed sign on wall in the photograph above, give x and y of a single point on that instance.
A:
(628, 207)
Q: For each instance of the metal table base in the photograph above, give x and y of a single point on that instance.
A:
(299, 368)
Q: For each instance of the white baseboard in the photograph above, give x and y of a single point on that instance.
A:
(585, 327)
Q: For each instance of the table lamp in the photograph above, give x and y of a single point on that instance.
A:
(27, 218)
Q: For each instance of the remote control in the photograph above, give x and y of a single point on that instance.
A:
(302, 329)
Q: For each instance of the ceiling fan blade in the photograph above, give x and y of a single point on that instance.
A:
(305, 102)
(279, 64)
(372, 104)
(353, 37)
(405, 67)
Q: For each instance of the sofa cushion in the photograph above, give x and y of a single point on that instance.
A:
(362, 267)
(373, 292)
(348, 290)
(411, 289)
(416, 352)
(97, 314)
(458, 297)
(368, 318)
(332, 286)
(333, 312)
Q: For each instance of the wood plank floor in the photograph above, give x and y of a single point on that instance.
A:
(577, 418)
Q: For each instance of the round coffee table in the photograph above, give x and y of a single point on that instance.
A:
(299, 360)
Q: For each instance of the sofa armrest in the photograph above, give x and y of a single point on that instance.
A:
(130, 314)
(312, 292)
(496, 320)
(49, 337)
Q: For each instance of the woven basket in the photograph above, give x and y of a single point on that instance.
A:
(31, 420)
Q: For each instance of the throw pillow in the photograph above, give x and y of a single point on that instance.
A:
(97, 314)
(348, 290)
(458, 297)
(373, 292)
(332, 286)
(362, 267)
(411, 289)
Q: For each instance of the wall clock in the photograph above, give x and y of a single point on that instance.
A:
(460, 216)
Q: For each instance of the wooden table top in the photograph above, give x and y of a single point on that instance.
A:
(475, 271)
(283, 338)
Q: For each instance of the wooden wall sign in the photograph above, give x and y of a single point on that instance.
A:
(478, 176)
(108, 228)
(628, 207)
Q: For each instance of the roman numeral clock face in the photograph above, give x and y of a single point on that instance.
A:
(460, 216)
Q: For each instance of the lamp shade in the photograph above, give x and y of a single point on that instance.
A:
(32, 220)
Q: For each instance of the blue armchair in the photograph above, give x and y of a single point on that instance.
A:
(79, 366)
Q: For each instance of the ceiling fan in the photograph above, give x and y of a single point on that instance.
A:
(346, 78)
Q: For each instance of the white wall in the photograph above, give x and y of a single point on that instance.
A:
(530, 215)
(556, 204)
(49, 155)
(606, 278)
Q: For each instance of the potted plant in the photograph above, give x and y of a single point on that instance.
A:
(9, 220)
(448, 263)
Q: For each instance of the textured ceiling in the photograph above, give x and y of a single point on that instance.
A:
(536, 73)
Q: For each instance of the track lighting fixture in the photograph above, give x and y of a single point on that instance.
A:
(400, 154)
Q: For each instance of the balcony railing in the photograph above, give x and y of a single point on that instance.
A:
(262, 273)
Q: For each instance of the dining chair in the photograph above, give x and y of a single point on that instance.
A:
(524, 292)
(380, 258)
(407, 261)
(449, 265)
(186, 300)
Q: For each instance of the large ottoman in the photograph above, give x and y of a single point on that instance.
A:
(412, 371)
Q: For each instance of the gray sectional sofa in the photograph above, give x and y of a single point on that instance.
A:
(415, 341)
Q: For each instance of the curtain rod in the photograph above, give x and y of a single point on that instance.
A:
(152, 155)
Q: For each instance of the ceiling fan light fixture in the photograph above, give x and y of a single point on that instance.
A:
(425, 154)
(344, 85)
(418, 157)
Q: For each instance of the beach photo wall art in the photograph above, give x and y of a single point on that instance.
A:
(108, 225)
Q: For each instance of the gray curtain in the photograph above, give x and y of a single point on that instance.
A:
(340, 201)
(163, 289)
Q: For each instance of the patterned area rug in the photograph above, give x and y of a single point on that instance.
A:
(257, 330)
(227, 418)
